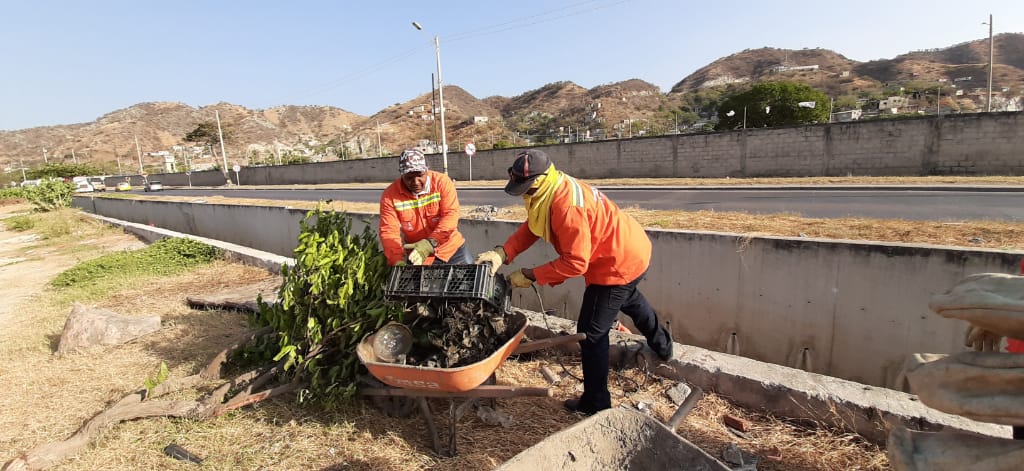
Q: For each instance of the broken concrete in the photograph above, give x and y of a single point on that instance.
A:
(87, 327)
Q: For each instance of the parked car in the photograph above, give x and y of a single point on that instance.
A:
(153, 185)
(124, 186)
(83, 187)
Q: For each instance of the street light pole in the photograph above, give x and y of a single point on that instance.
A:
(223, 153)
(440, 98)
(991, 49)
(138, 150)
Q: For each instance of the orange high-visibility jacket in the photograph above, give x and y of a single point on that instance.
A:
(432, 215)
(592, 236)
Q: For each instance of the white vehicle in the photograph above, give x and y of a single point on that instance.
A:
(83, 186)
(97, 183)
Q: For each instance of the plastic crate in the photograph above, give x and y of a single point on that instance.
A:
(418, 283)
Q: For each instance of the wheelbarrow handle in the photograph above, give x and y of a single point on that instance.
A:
(535, 345)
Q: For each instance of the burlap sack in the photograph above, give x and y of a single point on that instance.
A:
(951, 451)
(984, 386)
(992, 301)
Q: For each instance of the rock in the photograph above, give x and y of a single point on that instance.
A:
(678, 393)
(86, 327)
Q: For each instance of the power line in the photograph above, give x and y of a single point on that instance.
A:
(517, 23)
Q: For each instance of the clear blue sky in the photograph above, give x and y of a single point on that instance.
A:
(73, 61)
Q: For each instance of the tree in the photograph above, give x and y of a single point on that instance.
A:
(773, 104)
(62, 170)
(206, 133)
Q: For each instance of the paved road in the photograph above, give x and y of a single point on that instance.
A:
(932, 204)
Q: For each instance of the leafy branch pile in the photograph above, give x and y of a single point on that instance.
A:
(330, 299)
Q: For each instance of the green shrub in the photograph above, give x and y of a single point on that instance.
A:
(50, 195)
(20, 223)
(163, 257)
(12, 194)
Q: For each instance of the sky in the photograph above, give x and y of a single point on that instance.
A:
(68, 62)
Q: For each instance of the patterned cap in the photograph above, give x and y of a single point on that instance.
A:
(412, 160)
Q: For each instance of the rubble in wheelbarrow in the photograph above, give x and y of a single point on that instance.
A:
(450, 334)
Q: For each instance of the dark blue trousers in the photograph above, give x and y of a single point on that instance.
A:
(601, 306)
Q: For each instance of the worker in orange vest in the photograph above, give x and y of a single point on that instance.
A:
(419, 216)
(593, 239)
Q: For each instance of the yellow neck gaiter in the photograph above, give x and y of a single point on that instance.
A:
(538, 205)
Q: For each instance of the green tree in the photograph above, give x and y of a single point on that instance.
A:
(846, 102)
(770, 104)
(206, 133)
(61, 170)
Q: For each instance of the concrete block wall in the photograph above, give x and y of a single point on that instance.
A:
(847, 309)
(983, 143)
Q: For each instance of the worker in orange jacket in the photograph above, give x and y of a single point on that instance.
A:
(593, 238)
(419, 213)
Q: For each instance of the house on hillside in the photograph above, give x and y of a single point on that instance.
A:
(479, 120)
(845, 116)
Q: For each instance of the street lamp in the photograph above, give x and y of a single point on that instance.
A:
(988, 106)
(440, 98)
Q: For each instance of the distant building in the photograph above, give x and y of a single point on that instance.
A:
(479, 119)
(892, 102)
(785, 68)
(844, 116)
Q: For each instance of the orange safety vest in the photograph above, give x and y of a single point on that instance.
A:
(592, 237)
(406, 218)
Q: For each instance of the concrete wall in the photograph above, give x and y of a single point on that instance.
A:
(971, 144)
(848, 309)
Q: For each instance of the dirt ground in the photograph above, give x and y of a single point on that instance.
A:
(26, 265)
(47, 398)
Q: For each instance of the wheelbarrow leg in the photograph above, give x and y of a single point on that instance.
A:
(454, 414)
(429, 418)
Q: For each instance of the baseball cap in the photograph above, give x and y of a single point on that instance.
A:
(528, 166)
(412, 160)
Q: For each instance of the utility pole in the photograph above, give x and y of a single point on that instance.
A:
(938, 101)
(73, 158)
(380, 151)
(223, 153)
(23, 170)
(433, 105)
(45, 160)
(138, 150)
(991, 54)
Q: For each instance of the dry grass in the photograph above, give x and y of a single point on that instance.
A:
(280, 434)
(973, 234)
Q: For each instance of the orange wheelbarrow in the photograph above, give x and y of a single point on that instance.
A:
(399, 389)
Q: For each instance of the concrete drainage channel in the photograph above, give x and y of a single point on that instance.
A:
(782, 391)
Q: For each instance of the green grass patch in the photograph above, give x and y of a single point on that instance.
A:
(162, 258)
(20, 223)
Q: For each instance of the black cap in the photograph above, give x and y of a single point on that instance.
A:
(529, 165)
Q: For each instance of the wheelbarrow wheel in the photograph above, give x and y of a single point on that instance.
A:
(396, 406)
(392, 406)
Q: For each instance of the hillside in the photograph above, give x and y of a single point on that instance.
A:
(556, 112)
